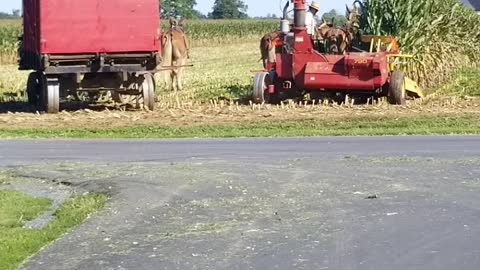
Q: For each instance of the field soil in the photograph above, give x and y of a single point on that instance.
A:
(223, 113)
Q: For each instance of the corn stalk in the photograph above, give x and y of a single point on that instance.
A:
(442, 34)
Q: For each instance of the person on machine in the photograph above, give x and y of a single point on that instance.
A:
(310, 21)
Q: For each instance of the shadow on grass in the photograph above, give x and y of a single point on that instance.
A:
(14, 107)
(68, 106)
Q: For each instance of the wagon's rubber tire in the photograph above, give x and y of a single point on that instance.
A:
(50, 94)
(260, 89)
(396, 89)
(33, 89)
(147, 89)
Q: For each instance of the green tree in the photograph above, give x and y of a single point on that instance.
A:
(332, 15)
(182, 8)
(16, 13)
(229, 9)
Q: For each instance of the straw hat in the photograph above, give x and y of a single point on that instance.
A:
(315, 5)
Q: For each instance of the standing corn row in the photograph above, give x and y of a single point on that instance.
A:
(442, 34)
(8, 43)
(226, 31)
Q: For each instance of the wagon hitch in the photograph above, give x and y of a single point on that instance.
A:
(171, 67)
(258, 70)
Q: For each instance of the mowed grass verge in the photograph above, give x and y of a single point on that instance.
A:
(18, 243)
(468, 123)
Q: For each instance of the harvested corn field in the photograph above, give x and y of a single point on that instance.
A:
(217, 93)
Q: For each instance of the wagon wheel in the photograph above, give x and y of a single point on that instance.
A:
(147, 91)
(144, 96)
(260, 89)
(49, 94)
(33, 89)
(396, 88)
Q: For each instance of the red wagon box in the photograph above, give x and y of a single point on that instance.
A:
(78, 45)
(91, 26)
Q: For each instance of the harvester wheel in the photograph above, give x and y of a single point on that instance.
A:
(396, 89)
(260, 89)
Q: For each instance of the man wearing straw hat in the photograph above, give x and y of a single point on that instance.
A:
(310, 21)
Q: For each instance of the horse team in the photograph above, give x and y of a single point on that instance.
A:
(338, 39)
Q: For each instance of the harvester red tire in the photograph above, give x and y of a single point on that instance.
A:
(260, 89)
(396, 88)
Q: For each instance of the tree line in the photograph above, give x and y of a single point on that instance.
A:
(225, 9)
(14, 15)
(222, 9)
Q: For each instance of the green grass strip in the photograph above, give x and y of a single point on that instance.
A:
(18, 243)
(351, 126)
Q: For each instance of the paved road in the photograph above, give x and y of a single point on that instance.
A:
(317, 203)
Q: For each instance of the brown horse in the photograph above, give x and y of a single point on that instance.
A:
(323, 29)
(175, 52)
(341, 38)
(267, 48)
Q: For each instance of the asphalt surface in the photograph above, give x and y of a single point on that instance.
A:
(315, 203)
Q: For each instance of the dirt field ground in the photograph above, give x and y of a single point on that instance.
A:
(223, 113)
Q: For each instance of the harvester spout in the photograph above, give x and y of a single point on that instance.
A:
(285, 11)
(300, 9)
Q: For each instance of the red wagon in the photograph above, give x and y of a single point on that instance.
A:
(81, 48)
